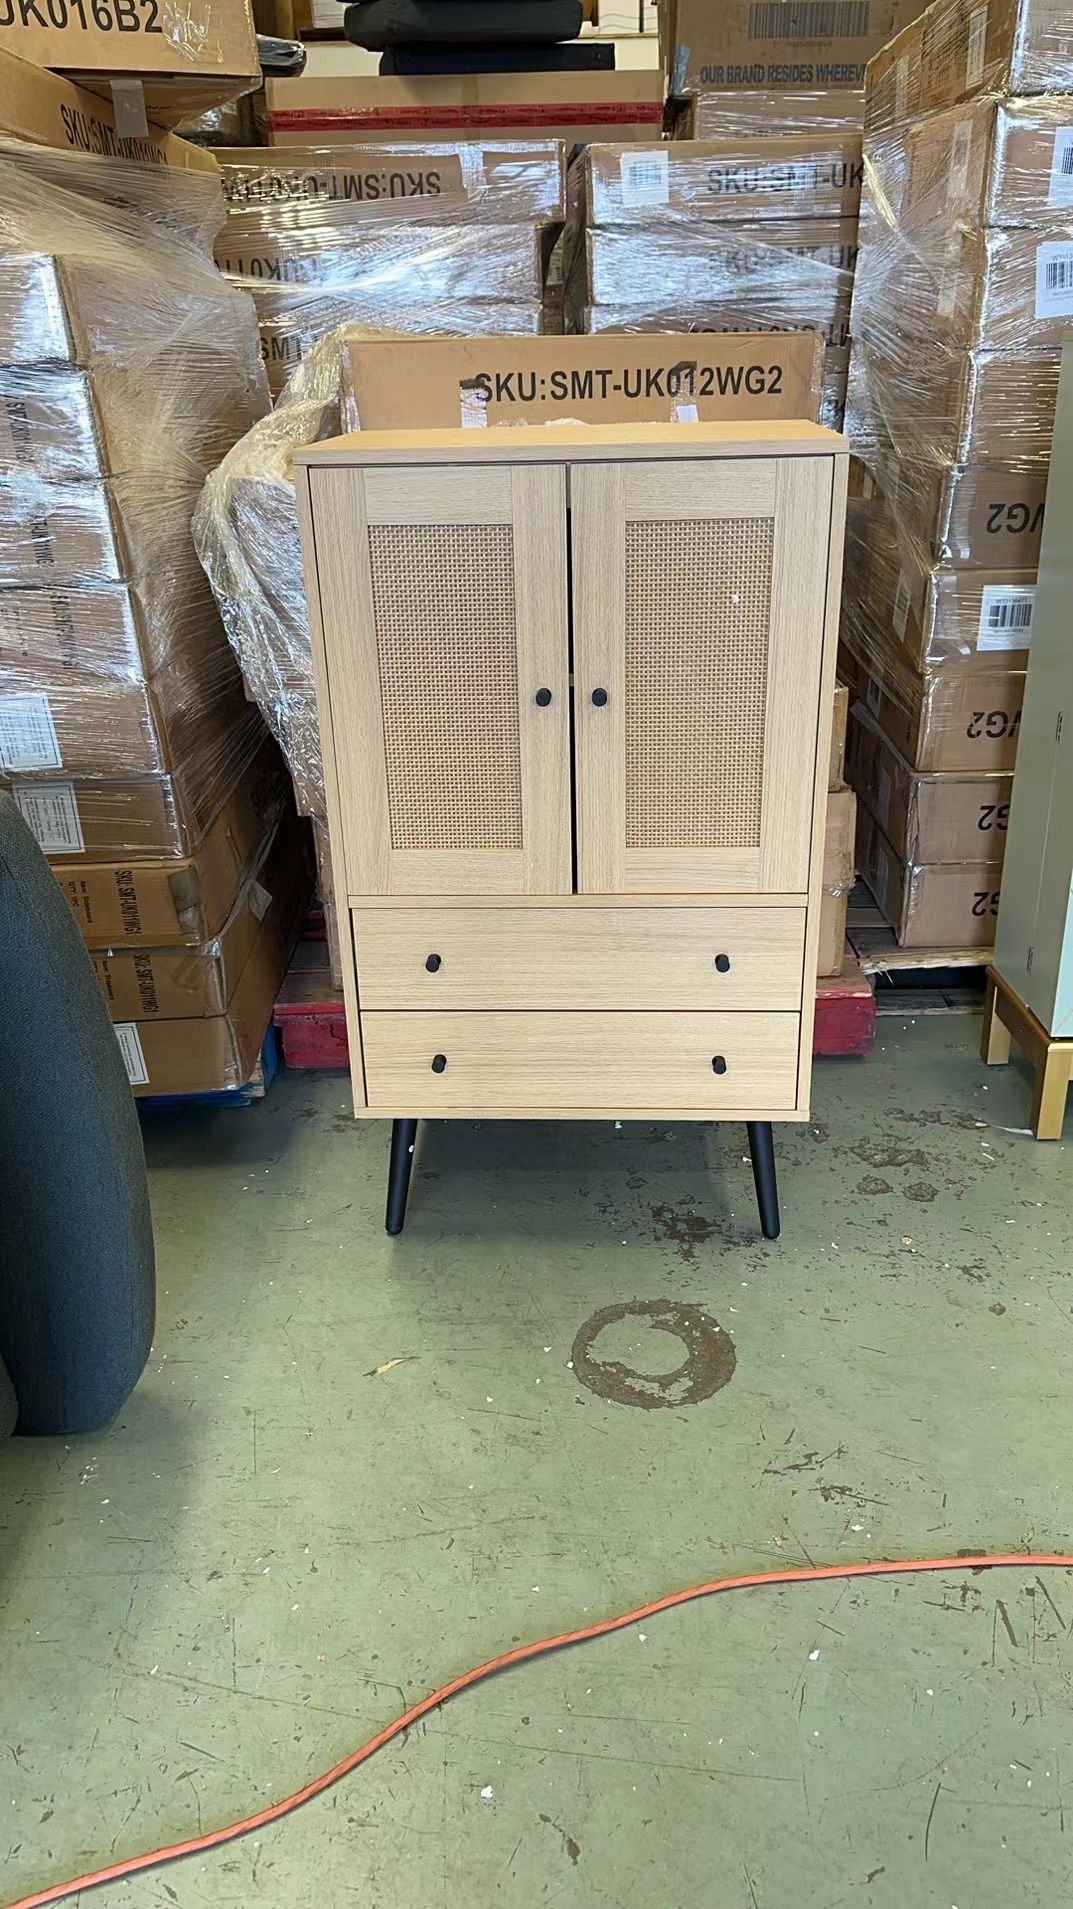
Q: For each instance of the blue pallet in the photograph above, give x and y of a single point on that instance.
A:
(255, 1089)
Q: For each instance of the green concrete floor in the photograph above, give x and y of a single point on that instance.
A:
(276, 1546)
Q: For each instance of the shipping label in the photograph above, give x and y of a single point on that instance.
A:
(1006, 613)
(28, 738)
(130, 1046)
(1054, 278)
(50, 812)
(645, 177)
(1060, 191)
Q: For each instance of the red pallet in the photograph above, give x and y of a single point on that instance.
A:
(312, 1021)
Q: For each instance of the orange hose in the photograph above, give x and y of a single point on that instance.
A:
(215, 1838)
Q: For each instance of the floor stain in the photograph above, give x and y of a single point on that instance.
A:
(872, 1183)
(572, 1847)
(685, 1228)
(878, 1153)
(959, 1117)
(922, 1191)
(708, 1365)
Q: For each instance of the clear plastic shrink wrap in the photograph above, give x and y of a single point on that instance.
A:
(962, 299)
(753, 229)
(419, 237)
(128, 368)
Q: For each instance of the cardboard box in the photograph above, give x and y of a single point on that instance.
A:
(839, 719)
(150, 817)
(291, 320)
(217, 1052)
(422, 384)
(475, 181)
(937, 615)
(949, 906)
(574, 107)
(714, 115)
(944, 718)
(927, 818)
(190, 58)
(739, 176)
(740, 44)
(999, 163)
(763, 306)
(180, 983)
(831, 947)
(808, 260)
(957, 50)
(185, 900)
(969, 407)
(971, 517)
(61, 639)
(47, 110)
(501, 262)
(838, 844)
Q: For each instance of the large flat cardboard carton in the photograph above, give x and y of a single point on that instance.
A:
(957, 407)
(739, 176)
(291, 319)
(715, 115)
(181, 901)
(957, 50)
(951, 905)
(188, 57)
(937, 615)
(574, 107)
(150, 818)
(799, 263)
(991, 162)
(522, 182)
(927, 818)
(779, 45)
(48, 110)
(838, 870)
(945, 718)
(158, 984)
(500, 262)
(402, 384)
(971, 517)
(217, 1052)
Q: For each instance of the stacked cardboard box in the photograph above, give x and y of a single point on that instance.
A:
(572, 107)
(754, 230)
(964, 293)
(777, 46)
(431, 236)
(838, 846)
(127, 370)
(163, 64)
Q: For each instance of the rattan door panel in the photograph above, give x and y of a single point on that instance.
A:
(698, 640)
(707, 1062)
(444, 602)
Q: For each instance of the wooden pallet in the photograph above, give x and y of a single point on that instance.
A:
(874, 943)
(312, 1021)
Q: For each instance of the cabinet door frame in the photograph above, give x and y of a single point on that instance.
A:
(343, 503)
(797, 493)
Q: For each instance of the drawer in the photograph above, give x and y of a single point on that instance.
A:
(580, 957)
(613, 1060)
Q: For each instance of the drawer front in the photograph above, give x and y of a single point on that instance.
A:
(715, 958)
(549, 1060)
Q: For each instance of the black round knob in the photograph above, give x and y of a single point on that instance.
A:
(722, 964)
(719, 1065)
(599, 697)
(439, 1062)
(432, 962)
(543, 697)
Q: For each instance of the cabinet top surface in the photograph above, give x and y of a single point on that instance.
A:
(576, 443)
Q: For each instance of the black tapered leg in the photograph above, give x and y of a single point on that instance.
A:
(762, 1150)
(403, 1140)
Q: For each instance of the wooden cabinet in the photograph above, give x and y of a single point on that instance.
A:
(573, 687)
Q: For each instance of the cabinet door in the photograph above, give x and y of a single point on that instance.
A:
(699, 613)
(443, 598)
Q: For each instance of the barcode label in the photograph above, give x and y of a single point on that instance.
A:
(50, 812)
(1054, 279)
(957, 178)
(645, 178)
(1061, 186)
(873, 694)
(976, 48)
(902, 599)
(28, 734)
(130, 1046)
(1006, 612)
(901, 86)
(810, 20)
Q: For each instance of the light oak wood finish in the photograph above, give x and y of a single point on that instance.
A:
(539, 1060)
(628, 958)
(577, 902)
(576, 444)
(795, 654)
(1006, 1019)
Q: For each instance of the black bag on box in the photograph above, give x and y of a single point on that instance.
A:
(379, 24)
(577, 56)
